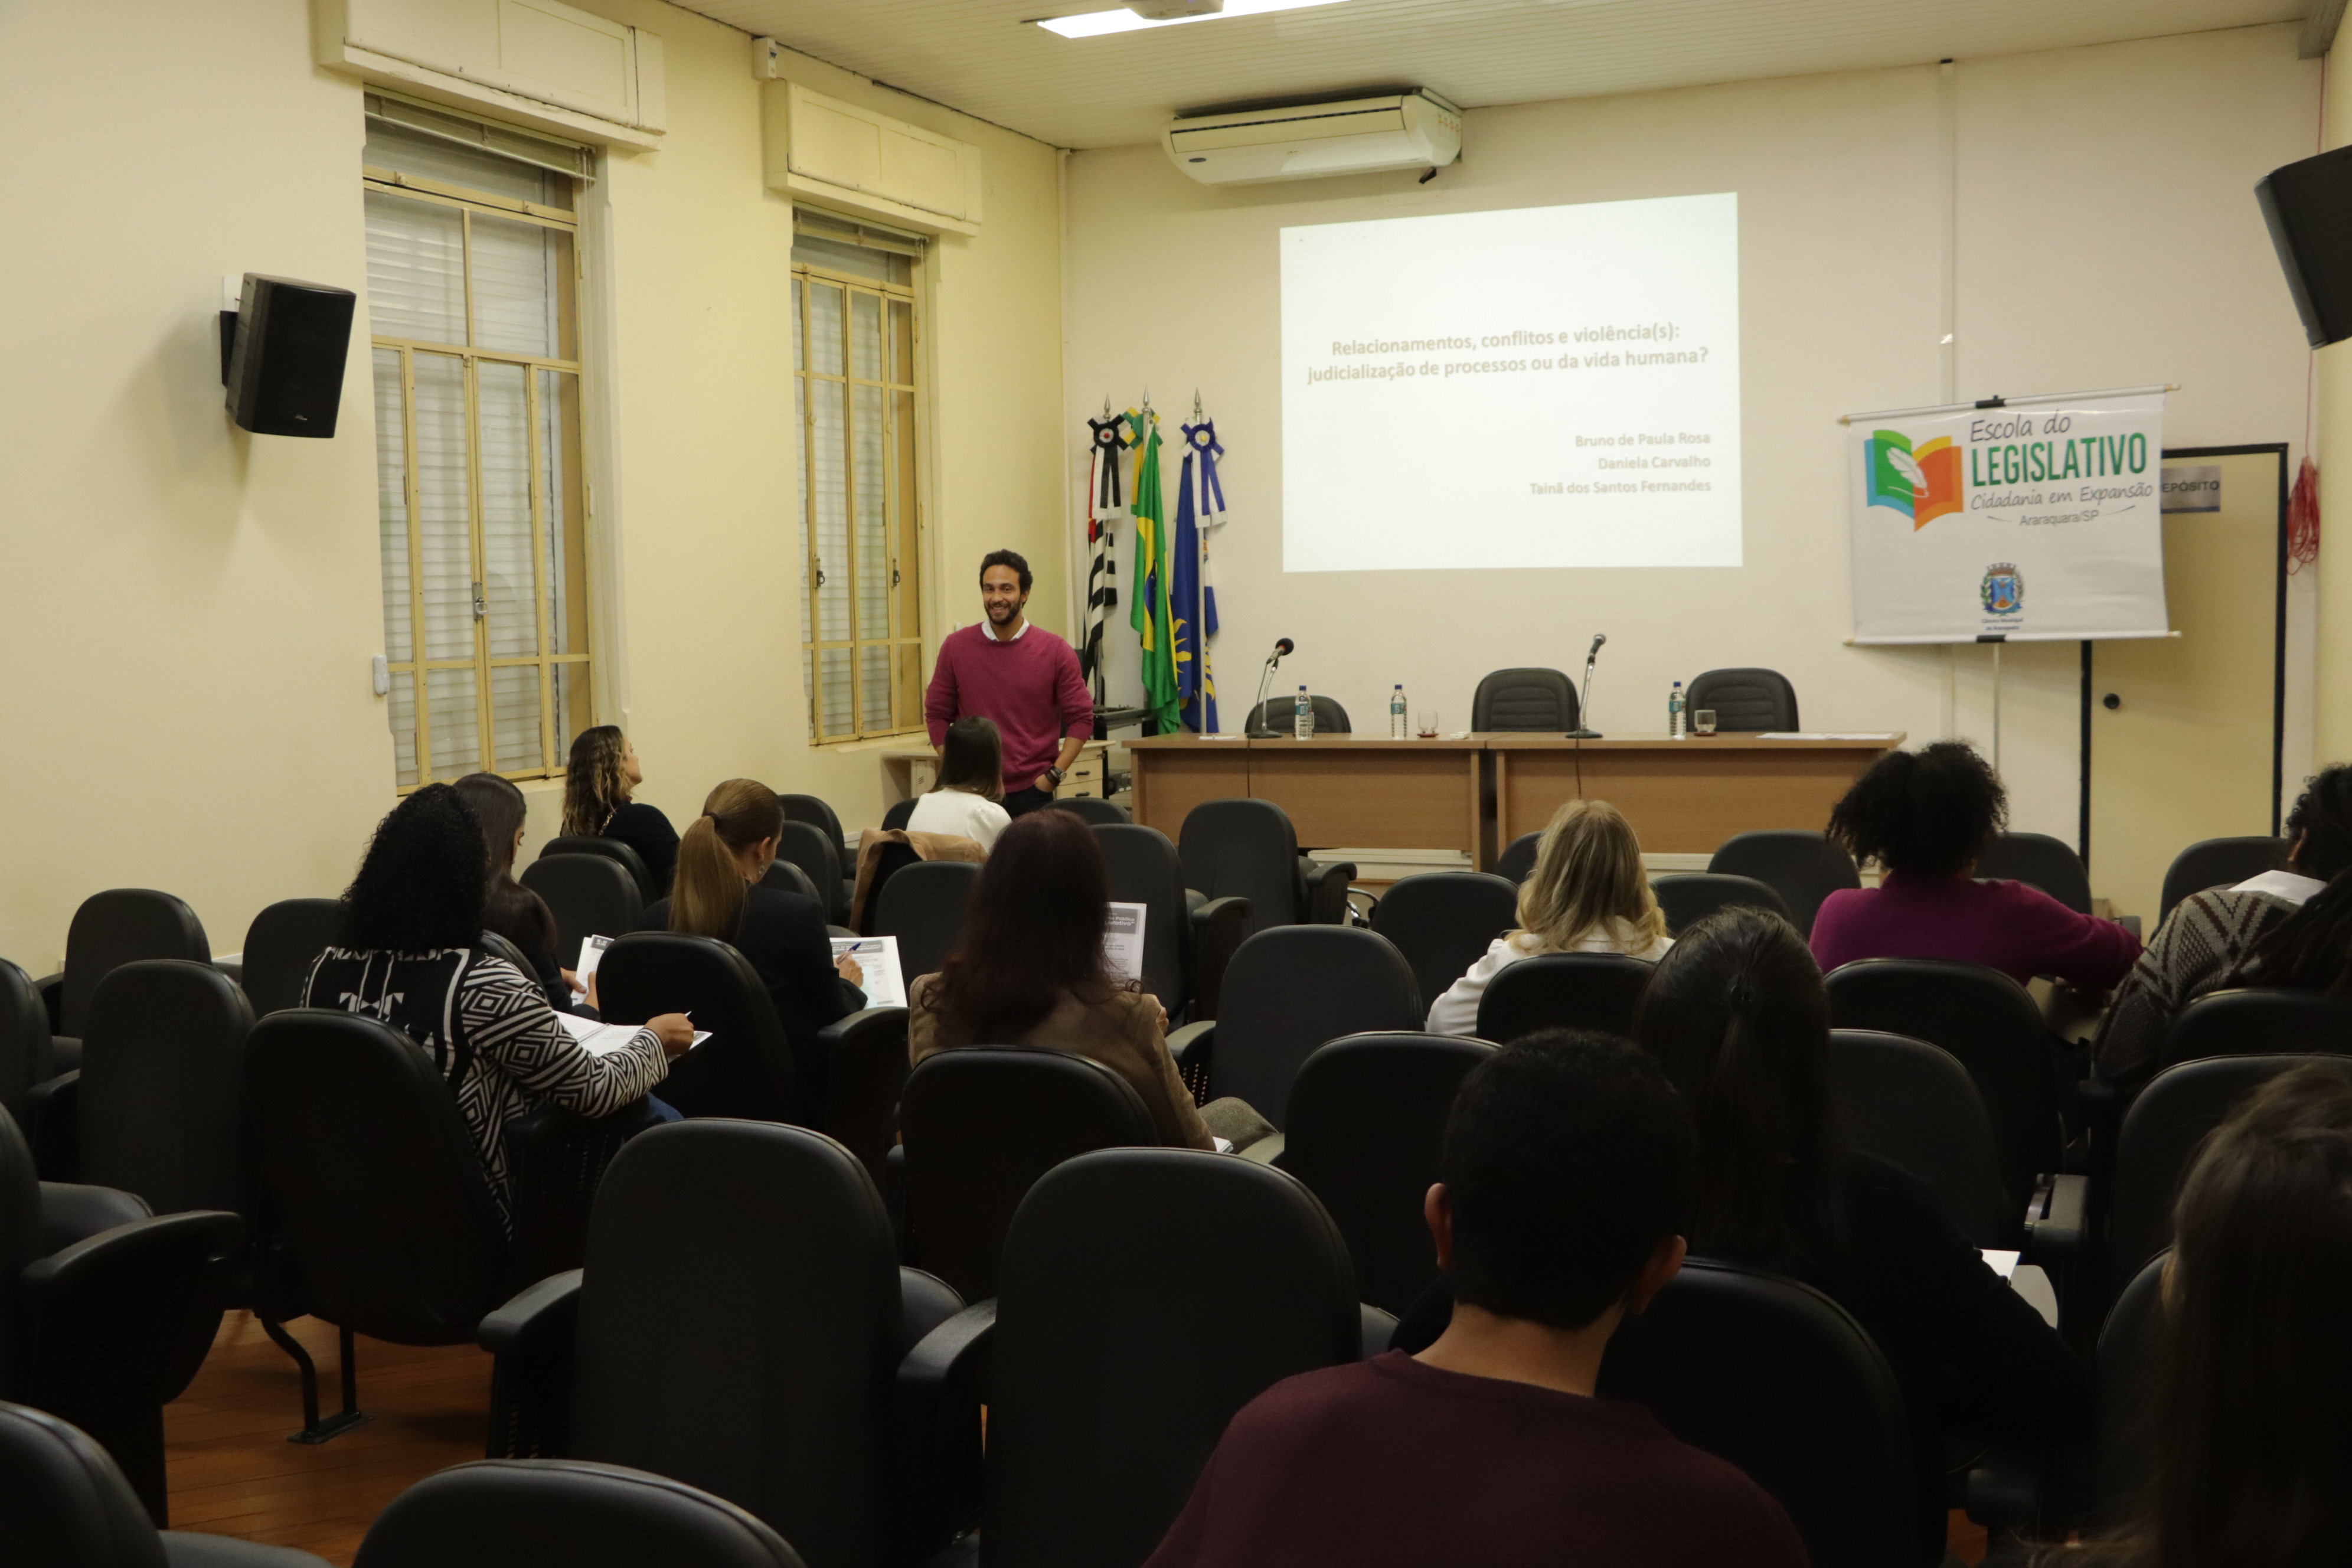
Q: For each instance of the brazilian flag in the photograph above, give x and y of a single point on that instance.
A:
(1148, 609)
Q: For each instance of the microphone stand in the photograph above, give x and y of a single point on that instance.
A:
(1584, 729)
(1263, 732)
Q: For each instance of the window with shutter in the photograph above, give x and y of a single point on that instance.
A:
(473, 298)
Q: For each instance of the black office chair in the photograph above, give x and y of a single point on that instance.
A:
(1330, 719)
(1914, 1104)
(2039, 861)
(1287, 991)
(611, 849)
(119, 926)
(1803, 868)
(979, 1125)
(1778, 1380)
(2122, 1379)
(589, 895)
(747, 1068)
(2219, 863)
(867, 1053)
(1443, 922)
(1367, 1125)
(158, 1103)
(1526, 698)
(898, 813)
(2258, 1021)
(1147, 1295)
(1248, 850)
(922, 905)
(281, 944)
(819, 858)
(1517, 861)
(787, 878)
(735, 1328)
(66, 1504)
(24, 1039)
(1744, 700)
(1186, 947)
(569, 1511)
(1563, 990)
(1094, 810)
(1689, 897)
(814, 811)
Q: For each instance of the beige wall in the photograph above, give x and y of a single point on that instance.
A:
(2106, 236)
(188, 612)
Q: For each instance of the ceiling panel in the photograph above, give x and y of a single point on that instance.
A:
(979, 57)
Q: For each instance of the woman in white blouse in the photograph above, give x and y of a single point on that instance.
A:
(1587, 894)
(967, 799)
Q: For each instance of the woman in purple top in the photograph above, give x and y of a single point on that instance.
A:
(1925, 817)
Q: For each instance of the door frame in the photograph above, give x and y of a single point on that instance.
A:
(2278, 643)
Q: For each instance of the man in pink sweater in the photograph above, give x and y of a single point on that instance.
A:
(1022, 677)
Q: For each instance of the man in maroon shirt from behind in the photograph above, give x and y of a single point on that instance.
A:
(1022, 677)
(1568, 1171)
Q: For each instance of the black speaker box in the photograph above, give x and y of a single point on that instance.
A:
(2308, 206)
(285, 373)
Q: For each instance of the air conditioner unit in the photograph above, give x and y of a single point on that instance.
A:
(1414, 130)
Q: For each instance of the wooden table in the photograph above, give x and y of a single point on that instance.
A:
(1477, 793)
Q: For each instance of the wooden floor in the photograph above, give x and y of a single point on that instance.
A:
(234, 1473)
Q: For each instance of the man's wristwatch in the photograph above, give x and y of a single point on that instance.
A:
(1055, 774)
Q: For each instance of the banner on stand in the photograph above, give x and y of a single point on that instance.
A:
(2041, 520)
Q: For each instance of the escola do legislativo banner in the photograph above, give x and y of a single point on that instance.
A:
(2038, 520)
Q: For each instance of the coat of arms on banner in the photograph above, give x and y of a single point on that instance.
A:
(2003, 589)
(1923, 484)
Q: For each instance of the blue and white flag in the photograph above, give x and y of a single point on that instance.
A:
(1200, 511)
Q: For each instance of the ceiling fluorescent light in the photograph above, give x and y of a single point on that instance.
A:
(1096, 24)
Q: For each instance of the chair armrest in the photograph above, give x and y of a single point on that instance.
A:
(1327, 891)
(2053, 1241)
(71, 1213)
(531, 1377)
(139, 1303)
(1194, 900)
(1218, 926)
(51, 1122)
(832, 1033)
(52, 989)
(532, 1314)
(941, 1385)
(1378, 1328)
(233, 968)
(1267, 1150)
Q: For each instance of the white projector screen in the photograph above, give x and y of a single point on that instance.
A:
(1547, 386)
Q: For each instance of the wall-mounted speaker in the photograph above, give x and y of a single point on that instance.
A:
(2308, 206)
(285, 371)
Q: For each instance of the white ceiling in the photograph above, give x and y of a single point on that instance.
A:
(978, 57)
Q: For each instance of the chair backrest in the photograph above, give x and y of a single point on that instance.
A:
(1526, 698)
(814, 811)
(119, 926)
(281, 944)
(1367, 1126)
(2121, 1381)
(374, 1177)
(160, 1107)
(739, 1327)
(981, 1124)
(1517, 861)
(1562, 991)
(2258, 1021)
(819, 858)
(24, 1038)
(2219, 863)
(2039, 861)
(922, 905)
(787, 878)
(1690, 897)
(611, 849)
(1987, 1020)
(898, 813)
(65, 1501)
(1243, 848)
(1443, 922)
(869, 1078)
(1744, 700)
(2159, 1137)
(1148, 1295)
(1287, 991)
(571, 1512)
(1912, 1103)
(1280, 714)
(745, 1069)
(1144, 870)
(22, 1239)
(589, 895)
(1093, 809)
(1778, 1380)
(1802, 867)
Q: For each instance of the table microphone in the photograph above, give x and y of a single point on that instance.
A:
(1584, 729)
(1263, 732)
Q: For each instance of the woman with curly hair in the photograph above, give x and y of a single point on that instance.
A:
(598, 779)
(1924, 817)
(410, 954)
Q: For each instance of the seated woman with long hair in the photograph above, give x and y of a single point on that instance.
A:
(1925, 817)
(2248, 1433)
(510, 909)
(409, 954)
(717, 893)
(969, 798)
(600, 777)
(1588, 893)
(1030, 971)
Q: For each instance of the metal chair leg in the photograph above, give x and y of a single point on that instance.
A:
(315, 1431)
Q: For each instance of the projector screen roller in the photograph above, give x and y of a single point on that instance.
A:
(1547, 386)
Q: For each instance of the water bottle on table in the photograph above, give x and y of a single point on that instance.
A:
(1676, 725)
(1302, 724)
(1396, 713)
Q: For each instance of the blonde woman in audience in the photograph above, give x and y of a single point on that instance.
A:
(1587, 894)
(969, 798)
(598, 779)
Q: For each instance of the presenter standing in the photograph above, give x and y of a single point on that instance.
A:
(1022, 677)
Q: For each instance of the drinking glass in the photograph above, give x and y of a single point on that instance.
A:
(1703, 721)
(1428, 729)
